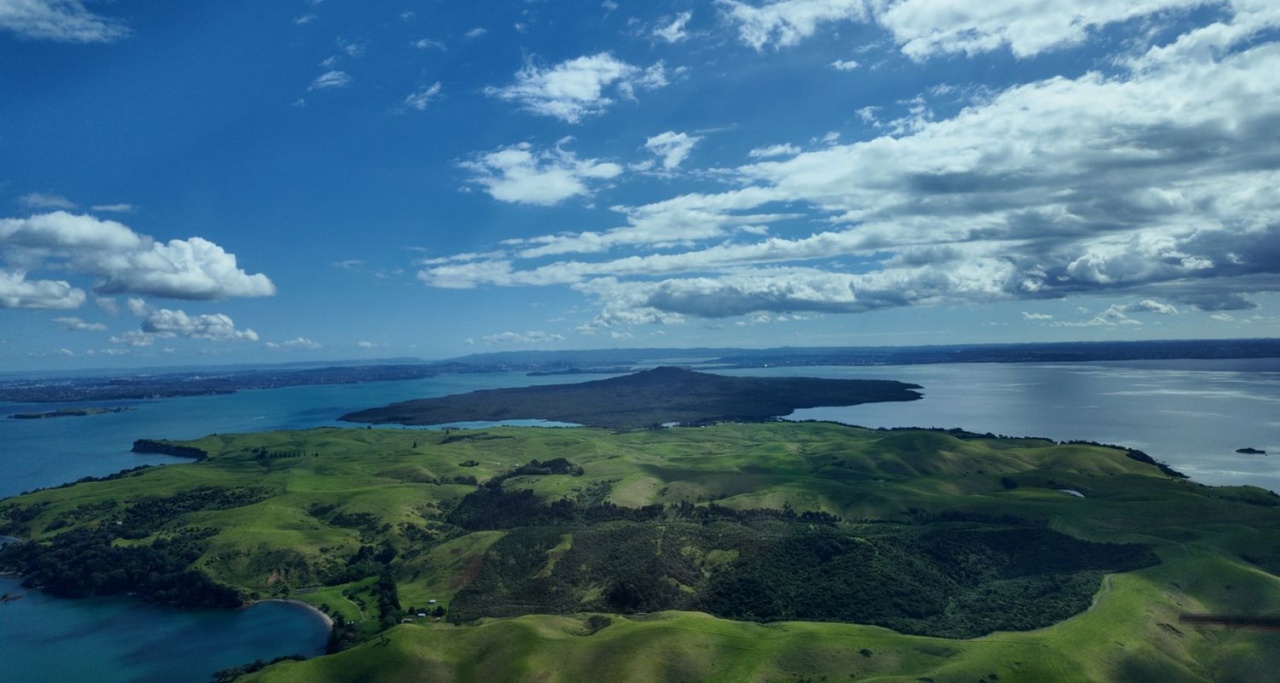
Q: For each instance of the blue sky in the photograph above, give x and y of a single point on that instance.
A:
(231, 181)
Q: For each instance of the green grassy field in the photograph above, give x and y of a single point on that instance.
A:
(303, 515)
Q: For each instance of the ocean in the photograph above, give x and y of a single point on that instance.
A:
(1193, 415)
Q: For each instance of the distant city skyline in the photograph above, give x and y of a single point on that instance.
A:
(239, 182)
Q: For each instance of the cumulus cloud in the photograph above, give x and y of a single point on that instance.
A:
(16, 291)
(65, 21)
(579, 88)
(330, 80)
(163, 323)
(298, 344)
(525, 175)
(421, 98)
(671, 147)
(167, 323)
(120, 261)
(845, 65)
(534, 337)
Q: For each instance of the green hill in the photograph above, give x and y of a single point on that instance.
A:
(544, 547)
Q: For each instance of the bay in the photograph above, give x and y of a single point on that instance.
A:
(117, 640)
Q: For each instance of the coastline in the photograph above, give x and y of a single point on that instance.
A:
(328, 621)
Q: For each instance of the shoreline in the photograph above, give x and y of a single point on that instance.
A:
(328, 621)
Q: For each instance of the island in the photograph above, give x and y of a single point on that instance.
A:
(735, 551)
(661, 396)
(70, 412)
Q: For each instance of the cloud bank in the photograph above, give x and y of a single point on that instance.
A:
(1153, 180)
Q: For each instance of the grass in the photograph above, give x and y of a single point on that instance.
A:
(348, 488)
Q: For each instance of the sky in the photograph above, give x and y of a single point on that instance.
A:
(232, 181)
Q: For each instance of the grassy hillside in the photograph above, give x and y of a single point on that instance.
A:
(372, 525)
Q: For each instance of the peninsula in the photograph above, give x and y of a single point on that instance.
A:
(770, 551)
(665, 395)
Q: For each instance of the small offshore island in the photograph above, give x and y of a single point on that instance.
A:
(743, 549)
(70, 412)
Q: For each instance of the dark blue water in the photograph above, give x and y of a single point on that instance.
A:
(1191, 414)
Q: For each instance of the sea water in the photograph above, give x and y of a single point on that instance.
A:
(1190, 414)
(117, 640)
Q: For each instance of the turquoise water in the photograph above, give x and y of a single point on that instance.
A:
(1191, 414)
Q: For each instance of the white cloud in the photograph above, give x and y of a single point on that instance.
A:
(78, 325)
(165, 323)
(477, 32)
(578, 88)
(1027, 29)
(113, 208)
(331, 79)
(45, 200)
(125, 262)
(428, 44)
(66, 21)
(298, 344)
(524, 175)
(1154, 183)
(1036, 316)
(784, 150)
(845, 65)
(534, 337)
(672, 147)
(1151, 306)
(927, 28)
(194, 268)
(16, 291)
(420, 99)
(786, 22)
(305, 19)
(674, 31)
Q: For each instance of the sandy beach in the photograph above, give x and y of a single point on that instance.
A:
(328, 622)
